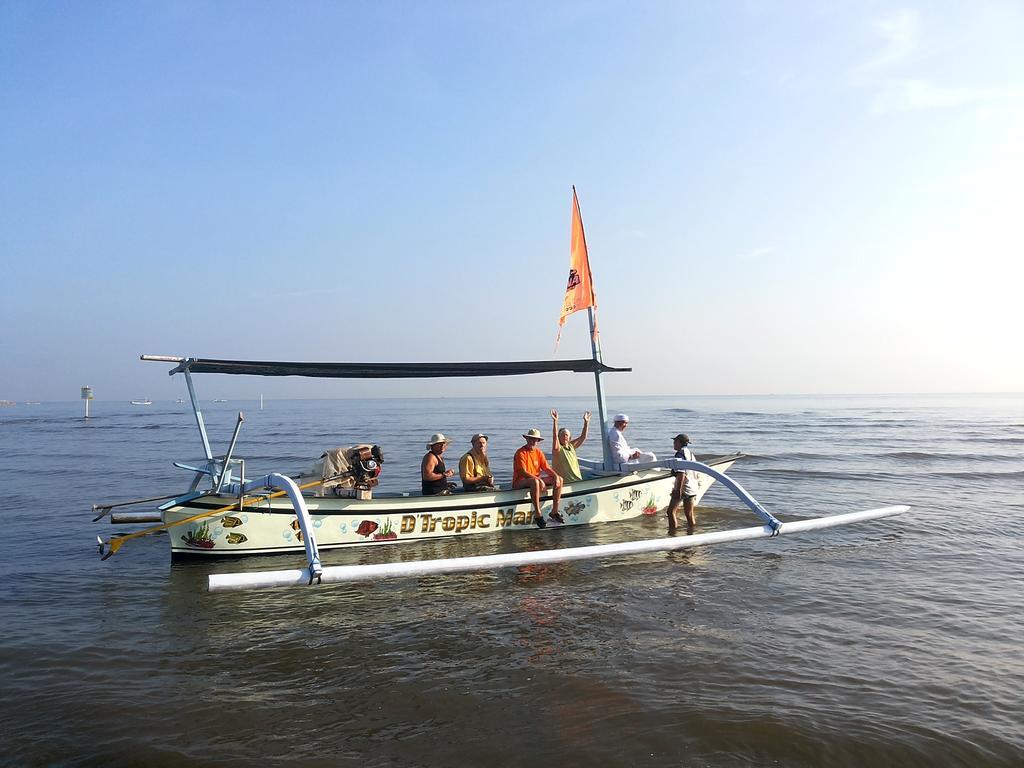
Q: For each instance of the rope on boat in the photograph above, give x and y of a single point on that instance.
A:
(222, 582)
(115, 542)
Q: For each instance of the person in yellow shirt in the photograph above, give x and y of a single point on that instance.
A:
(530, 470)
(475, 467)
(563, 452)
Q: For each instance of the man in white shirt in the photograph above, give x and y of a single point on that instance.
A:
(621, 452)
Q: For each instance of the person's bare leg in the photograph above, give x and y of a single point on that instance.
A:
(689, 509)
(673, 504)
(533, 485)
(556, 497)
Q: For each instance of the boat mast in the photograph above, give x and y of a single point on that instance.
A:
(595, 347)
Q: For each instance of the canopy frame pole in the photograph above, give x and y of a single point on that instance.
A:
(225, 470)
(199, 414)
(595, 348)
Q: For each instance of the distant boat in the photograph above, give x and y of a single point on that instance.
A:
(31, 402)
(220, 401)
(179, 400)
(147, 401)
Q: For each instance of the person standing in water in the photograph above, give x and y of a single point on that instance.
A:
(685, 488)
(563, 449)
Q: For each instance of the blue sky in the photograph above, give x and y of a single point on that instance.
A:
(779, 198)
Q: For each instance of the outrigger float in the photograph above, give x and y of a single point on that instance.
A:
(225, 513)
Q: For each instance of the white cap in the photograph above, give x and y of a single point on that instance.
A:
(620, 417)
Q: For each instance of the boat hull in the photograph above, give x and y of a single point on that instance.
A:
(271, 526)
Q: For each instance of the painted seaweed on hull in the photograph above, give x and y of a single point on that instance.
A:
(386, 533)
(199, 537)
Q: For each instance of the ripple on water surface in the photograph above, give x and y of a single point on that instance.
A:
(893, 643)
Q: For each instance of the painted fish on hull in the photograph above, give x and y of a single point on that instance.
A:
(366, 528)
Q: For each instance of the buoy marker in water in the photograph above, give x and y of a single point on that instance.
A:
(87, 396)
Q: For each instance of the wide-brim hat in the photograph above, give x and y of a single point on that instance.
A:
(533, 434)
(436, 438)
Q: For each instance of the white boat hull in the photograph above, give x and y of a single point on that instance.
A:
(271, 526)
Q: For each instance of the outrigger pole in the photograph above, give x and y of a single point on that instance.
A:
(314, 571)
(347, 573)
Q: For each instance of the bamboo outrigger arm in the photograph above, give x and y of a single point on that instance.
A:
(681, 465)
(285, 483)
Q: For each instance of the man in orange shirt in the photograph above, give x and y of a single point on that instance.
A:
(529, 470)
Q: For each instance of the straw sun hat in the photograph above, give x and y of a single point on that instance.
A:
(533, 434)
(436, 438)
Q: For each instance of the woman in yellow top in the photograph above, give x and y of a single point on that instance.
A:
(475, 467)
(563, 452)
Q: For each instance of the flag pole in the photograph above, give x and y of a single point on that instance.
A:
(595, 347)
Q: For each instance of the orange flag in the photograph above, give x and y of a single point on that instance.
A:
(579, 291)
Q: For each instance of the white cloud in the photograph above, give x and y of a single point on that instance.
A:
(756, 253)
(913, 95)
(899, 39)
(633, 234)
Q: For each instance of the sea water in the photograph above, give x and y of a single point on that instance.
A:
(895, 642)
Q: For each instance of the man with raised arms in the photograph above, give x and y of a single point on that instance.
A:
(563, 452)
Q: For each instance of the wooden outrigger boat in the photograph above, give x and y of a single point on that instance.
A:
(226, 513)
(239, 516)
